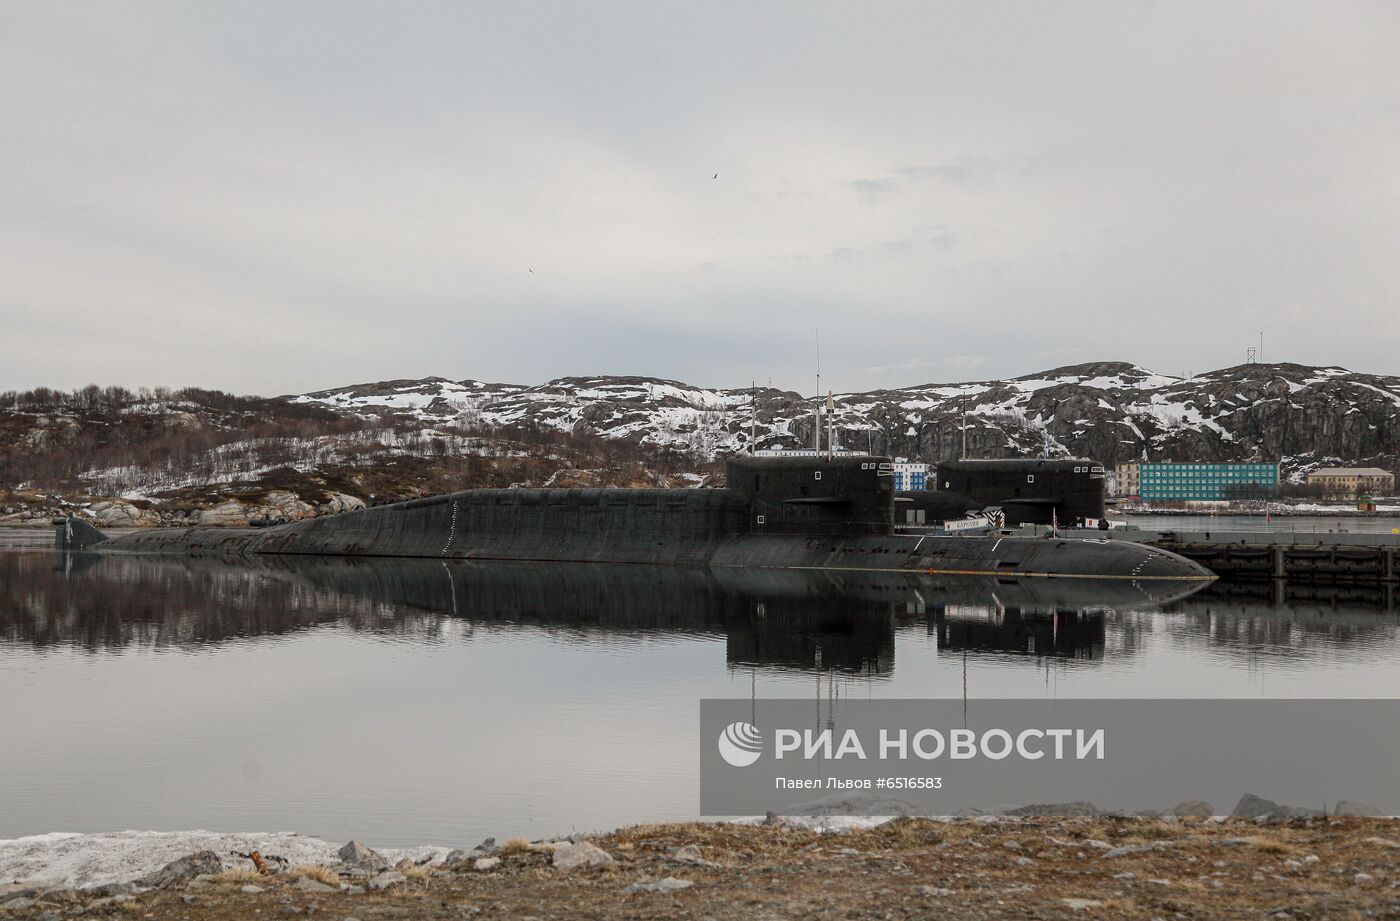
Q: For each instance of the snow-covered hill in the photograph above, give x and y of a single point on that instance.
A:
(177, 457)
(1110, 411)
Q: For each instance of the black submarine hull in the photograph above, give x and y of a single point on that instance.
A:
(823, 514)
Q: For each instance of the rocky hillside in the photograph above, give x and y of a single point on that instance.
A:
(203, 457)
(195, 455)
(1109, 411)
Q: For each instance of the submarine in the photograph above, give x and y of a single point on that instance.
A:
(827, 513)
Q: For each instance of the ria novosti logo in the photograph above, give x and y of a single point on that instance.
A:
(740, 744)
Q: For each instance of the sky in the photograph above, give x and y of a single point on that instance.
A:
(282, 197)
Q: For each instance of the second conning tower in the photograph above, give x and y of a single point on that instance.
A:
(843, 494)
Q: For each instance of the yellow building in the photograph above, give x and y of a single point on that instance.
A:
(1125, 478)
(1350, 482)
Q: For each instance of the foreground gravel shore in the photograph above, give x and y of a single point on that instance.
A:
(1091, 866)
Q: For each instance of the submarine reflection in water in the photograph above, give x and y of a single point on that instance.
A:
(1063, 634)
(771, 619)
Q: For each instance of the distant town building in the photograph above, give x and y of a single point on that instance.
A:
(1125, 479)
(909, 476)
(1350, 482)
(1206, 482)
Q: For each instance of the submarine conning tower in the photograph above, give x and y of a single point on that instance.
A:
(840, 494)
(1028, 490)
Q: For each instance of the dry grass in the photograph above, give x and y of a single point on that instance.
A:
(1118, 908)
(239, 876)
(1156, 830)
(319, 872)
(1272, 846)
(906, 833)
(417, 872)
(521, 846)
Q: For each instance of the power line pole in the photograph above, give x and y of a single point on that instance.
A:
(753, 417)
(964, 426)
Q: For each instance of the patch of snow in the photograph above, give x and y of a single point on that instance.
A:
(85, 860)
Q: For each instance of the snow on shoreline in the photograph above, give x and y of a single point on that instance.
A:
(80, 861)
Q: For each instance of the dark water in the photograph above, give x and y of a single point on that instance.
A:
(418, 701)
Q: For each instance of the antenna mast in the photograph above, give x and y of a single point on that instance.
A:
(817, 399)
(830, 432)
(753, 417)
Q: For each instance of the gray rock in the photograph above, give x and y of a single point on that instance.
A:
(669, 884)
(386, 879)
(189, 899)
(1363, 877)
(1251, 806)
(250, 889)
(487, 863)
(1056, 809)
(17, 904)
(1383, 842)
(356, 854)
(1256, 807)
(937, 891)
(1348, 807)
(110, 889)
(690, 854)
(188, 867)
(1197, 808)
(1128, 849)
(455, 856)
(582, 854)
(307, 884)
(1081, 904)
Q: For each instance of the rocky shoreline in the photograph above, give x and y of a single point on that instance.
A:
(1011, 867)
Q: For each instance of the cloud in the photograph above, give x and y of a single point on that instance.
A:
(272, 201)
(961, 170)
(951, 365)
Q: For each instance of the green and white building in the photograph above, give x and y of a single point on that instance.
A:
(1206, 482)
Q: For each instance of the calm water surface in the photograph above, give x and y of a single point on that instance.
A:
(417, 701)
(1302, 524)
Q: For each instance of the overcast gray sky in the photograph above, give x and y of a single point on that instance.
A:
(279, 197)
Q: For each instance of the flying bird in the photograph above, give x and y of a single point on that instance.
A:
(715, 176)
(532, 271)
